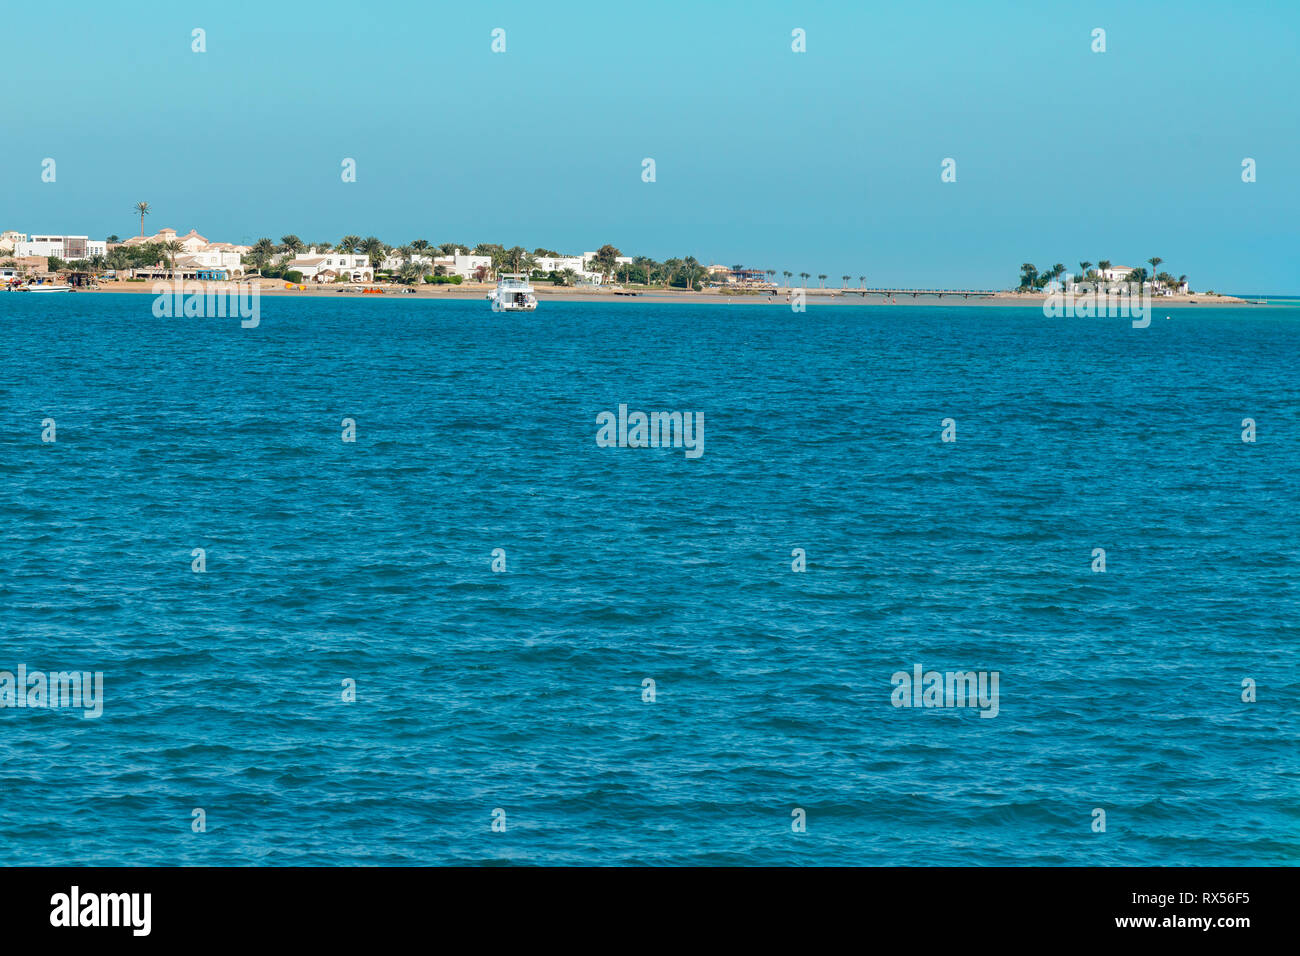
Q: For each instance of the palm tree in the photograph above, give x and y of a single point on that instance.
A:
(1083, 269)
(375, 250)
(862, 282)
(172, 248)
(772, 273)
(261, 254)
(1028, 276)
(405, 253)
(515, 255)
(143, 209)
(291, 244)
(644, 263)
(788, 275)
(692, 267)
(670, 270)
(348, 244)
(822, 279)
(570, 276)
(1155, 261)
(843, 281)
(1103, 266)
(805, 277)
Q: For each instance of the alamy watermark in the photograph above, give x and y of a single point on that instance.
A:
(75, 908)
(949, 689)
(39, 690)
(1100, 301)
(653, 430)
(210, 300)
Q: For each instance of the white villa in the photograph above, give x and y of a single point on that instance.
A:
(327, 266)
(1121, 274)
(197, 253)
(459, 264)
(63, 247)
(463, 264)
(9, 239)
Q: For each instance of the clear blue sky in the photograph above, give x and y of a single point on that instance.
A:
(826, 161)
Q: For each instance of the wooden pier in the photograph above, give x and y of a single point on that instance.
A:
(936, 293)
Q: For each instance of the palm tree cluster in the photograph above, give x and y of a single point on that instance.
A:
(1031, 279)
(417, 255)
(686, 272)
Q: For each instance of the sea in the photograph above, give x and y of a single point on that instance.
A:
(366, 586)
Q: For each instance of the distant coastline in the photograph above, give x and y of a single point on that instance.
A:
(480, 290)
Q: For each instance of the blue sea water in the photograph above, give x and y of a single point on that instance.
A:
(371, 561)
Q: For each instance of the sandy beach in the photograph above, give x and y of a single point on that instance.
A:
(814, 297)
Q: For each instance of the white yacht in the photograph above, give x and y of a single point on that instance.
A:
(45, 288)
(513, 294)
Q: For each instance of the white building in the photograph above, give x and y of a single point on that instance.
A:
(196, 252)
(394, 261)
(560, 263)
(463, 265)
(619, 260)
(579, 264)
(327, 266)
(1116, 273)
(229, 262)
(68, 248)
(459, 264)
(9, 239)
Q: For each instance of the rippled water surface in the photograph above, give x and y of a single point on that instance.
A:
(371, 561)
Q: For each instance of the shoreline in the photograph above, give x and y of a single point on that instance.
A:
(477, 291)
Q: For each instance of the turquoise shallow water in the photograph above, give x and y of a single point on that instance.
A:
(522, 690)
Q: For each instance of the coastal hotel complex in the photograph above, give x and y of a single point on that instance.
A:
(196, 257)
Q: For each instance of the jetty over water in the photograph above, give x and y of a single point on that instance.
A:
(936, 293)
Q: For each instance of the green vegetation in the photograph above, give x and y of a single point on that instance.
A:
(1032, 280)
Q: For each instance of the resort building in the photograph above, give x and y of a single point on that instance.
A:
(743, 278)
(463, 265)
(459, 264)
(579, 264)
(327, 266)
(1116, 273)
(561, 263)
(197, 253)
(618, 260)
(190, 243)
(25, 265)
(9, 239)
(395, 260)
(69, 248)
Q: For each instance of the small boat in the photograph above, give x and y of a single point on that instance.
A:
(513, 294)
(46, 288)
